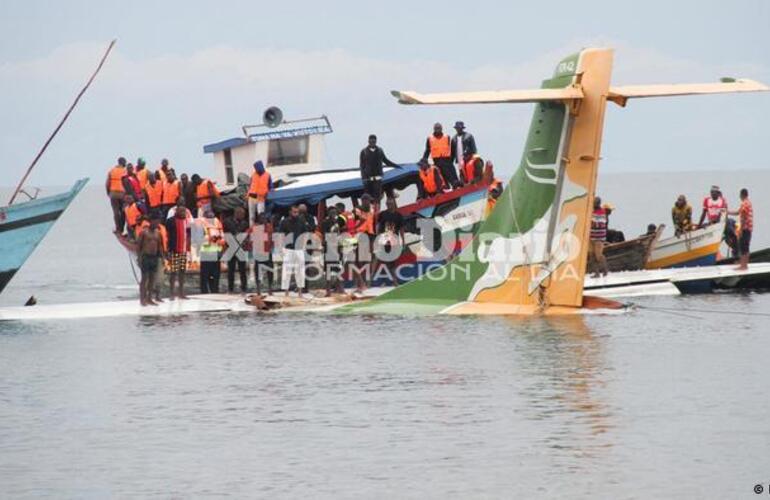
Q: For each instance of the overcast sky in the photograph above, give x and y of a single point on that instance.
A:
(185, 74)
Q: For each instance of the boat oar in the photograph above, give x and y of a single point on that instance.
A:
(59, 126)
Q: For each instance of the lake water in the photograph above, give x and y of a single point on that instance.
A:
(654, 403)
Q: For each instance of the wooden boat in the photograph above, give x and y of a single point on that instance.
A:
(693, 248)
(630, 255)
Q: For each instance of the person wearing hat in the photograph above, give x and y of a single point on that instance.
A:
(371, 161)
(438, 146)
(714, 206)
(463, 145)
(681, 215)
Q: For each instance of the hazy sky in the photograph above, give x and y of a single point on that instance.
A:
(185, 74)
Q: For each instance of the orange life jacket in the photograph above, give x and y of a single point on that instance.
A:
(170, 193)
(163, 176)
(439, 146)
(260, 185)
(205, 191)
(469, 169)
(367, 226)
(142, 176)
(428, 179)
(154, 194)
(132, 214)
(116, 179)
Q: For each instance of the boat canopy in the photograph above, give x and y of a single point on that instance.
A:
(312, 188)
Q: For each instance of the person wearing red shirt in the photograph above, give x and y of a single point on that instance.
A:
(746, 214)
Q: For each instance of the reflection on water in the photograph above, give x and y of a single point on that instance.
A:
(563, 370)
(309, 405)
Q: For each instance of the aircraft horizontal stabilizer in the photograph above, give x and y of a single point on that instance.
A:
(489, 96)
(619, 95)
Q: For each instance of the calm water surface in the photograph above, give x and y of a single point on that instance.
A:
(649, 404)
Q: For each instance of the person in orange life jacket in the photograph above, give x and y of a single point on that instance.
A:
(237, 227)
(142, 174)
(187, 190)
(365, 232)
(164, 170)
(150, 252)
(746, 214)
(438, 146)
(431, 181)
(153, 193)
(371, 161)
(463, 144)
(205, 192)
(210, 252)
(133, 212)
(116, 192)
(178, 230)
(473, 169)
(262, 248)
(598, 237)
(260, 185)
(171, 192)
(493, 193)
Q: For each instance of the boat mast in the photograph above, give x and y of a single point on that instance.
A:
(59, 126)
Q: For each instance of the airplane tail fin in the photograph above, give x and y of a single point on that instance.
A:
(530, 254)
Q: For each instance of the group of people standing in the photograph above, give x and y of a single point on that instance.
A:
(714, 211)
(443, 157)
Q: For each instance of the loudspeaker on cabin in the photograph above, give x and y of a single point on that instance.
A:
(273, 116)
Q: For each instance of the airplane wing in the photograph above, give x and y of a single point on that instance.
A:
(619, 95)
(489, 96)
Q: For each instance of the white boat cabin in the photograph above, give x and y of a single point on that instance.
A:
(285, 147)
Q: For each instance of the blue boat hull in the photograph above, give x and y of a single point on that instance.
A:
(24, 225)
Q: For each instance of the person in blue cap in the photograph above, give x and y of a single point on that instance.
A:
(463, 145)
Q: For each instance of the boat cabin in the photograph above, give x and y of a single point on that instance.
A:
(285, 147)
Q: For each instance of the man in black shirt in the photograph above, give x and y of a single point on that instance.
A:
(334, 229)
(371, 160)
(463, 145)
(236, 226)
(293, 228)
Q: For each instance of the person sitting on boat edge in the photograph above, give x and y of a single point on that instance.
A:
(116, 192)
(431, 183)
(438, 146)
(133, 212)
(746, 214)
(473, 169)
(681, 215)
(260, 185)
(371, 162)
(598, 237)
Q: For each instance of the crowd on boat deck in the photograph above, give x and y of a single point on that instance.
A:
(737, 235)
(164, 217)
